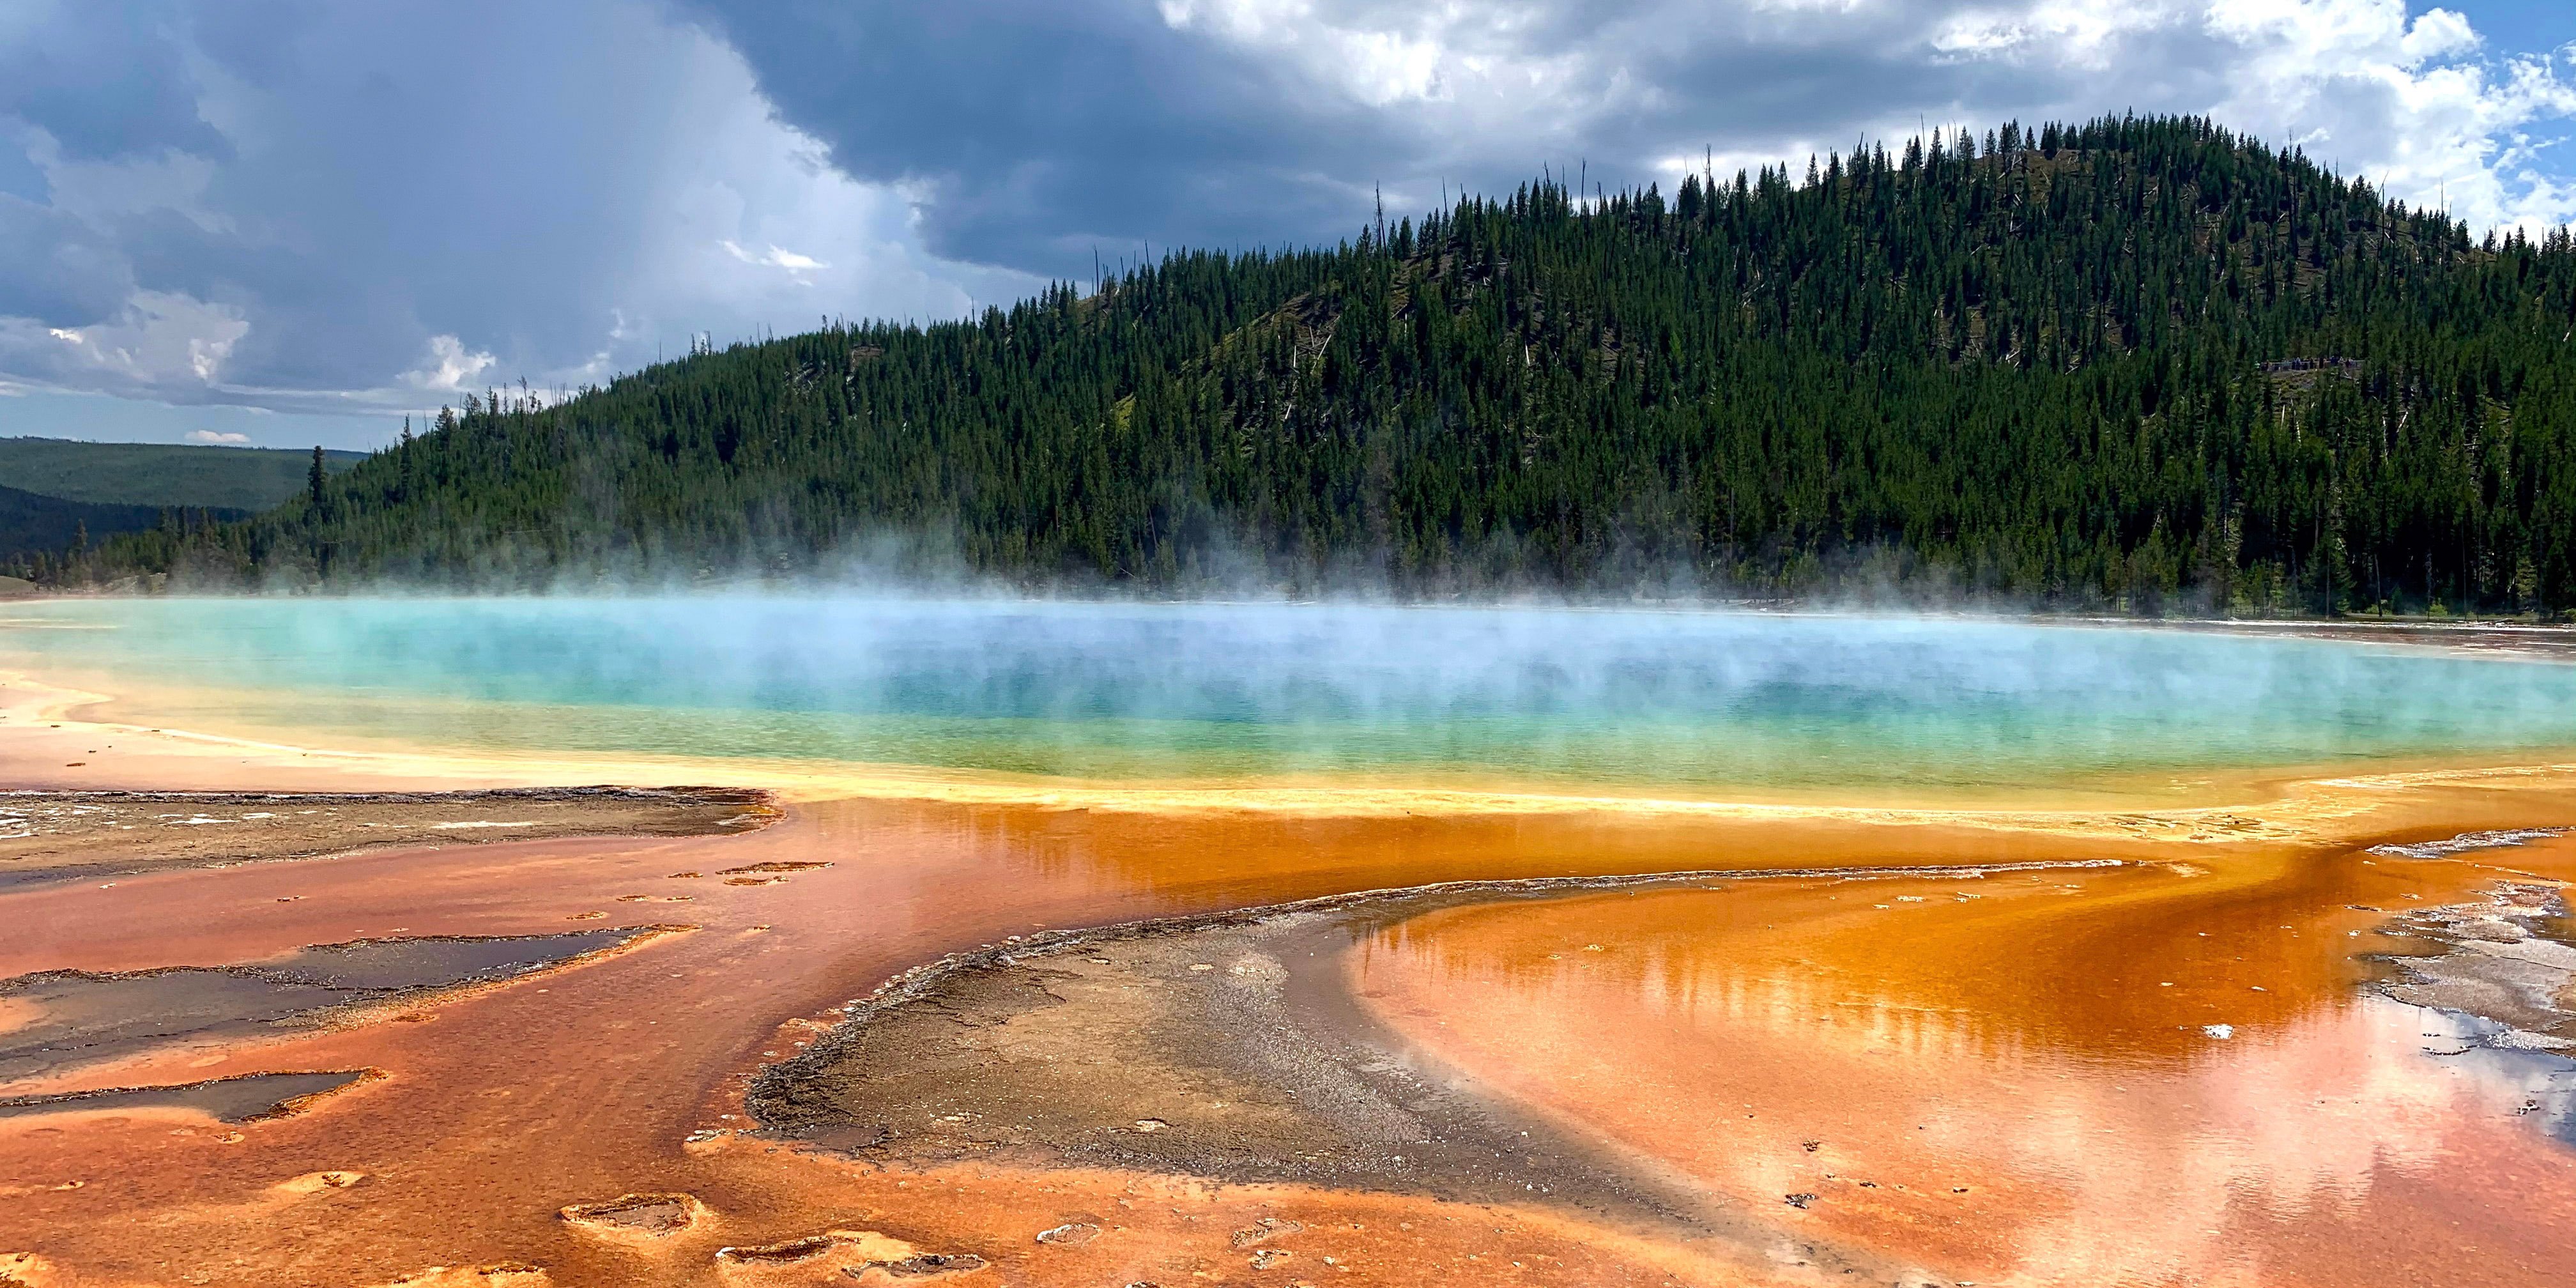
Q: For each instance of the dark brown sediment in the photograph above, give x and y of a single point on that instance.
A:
(248, 1098)
(78, 1018)
(2535, 640)
(1216, 1044)
(1228, 1046)
(86, 835)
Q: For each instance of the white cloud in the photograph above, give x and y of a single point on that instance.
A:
(2066, 33)
(218, 437)
(2408, 100)
(160, 339)
(1496, 90)
(2359, 85)
(1394, 56)
(451, 365)
(1379, 58)
(774, 257)
(739, 188)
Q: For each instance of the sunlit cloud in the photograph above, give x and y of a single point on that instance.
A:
(451, 366)
(774, 257)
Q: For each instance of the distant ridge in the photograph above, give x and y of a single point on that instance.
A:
(160, 474)
(30, 523)
(2141, 364)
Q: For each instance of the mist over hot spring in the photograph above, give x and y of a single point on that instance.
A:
(1191, 689)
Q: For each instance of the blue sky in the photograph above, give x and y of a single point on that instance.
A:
(2523, 26)
(295, 221)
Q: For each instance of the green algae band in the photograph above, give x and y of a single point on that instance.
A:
(1632, 698)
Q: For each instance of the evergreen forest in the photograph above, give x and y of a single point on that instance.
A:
(2140, 365)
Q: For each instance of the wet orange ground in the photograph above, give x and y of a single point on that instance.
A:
(2016, 1080)
(498, 1108)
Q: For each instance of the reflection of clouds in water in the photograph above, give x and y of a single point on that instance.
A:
(2544, 1080)
(2201, 1167)
(2164, 1177)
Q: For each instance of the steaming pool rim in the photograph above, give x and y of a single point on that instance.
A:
(1630, 699)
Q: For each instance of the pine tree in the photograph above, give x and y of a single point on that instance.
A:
(2132, 362)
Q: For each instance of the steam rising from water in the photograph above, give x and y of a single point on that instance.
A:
(1109, 689)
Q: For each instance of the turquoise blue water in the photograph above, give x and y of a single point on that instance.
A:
(1113, 690)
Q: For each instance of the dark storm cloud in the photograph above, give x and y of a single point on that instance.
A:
(1034, 130)
(1040, 127)
(104, 81)
(55, 268)
(353, 200)
(300, 204)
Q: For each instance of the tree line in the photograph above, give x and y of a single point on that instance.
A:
(2138, 364)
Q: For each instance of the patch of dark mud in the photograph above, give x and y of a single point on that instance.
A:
(2506, 959)
(83, 1017)
(1226, 1046)
(761, 874)
(780, 1253)
(2513, 639)
(2468, 843)
(55, 836)
(928, 1265)
(650, 1215)
(247, 1098)
(2498, 988)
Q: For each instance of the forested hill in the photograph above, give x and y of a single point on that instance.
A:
(2142, 364)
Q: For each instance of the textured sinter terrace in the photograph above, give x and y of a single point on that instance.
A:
(2002, 954)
